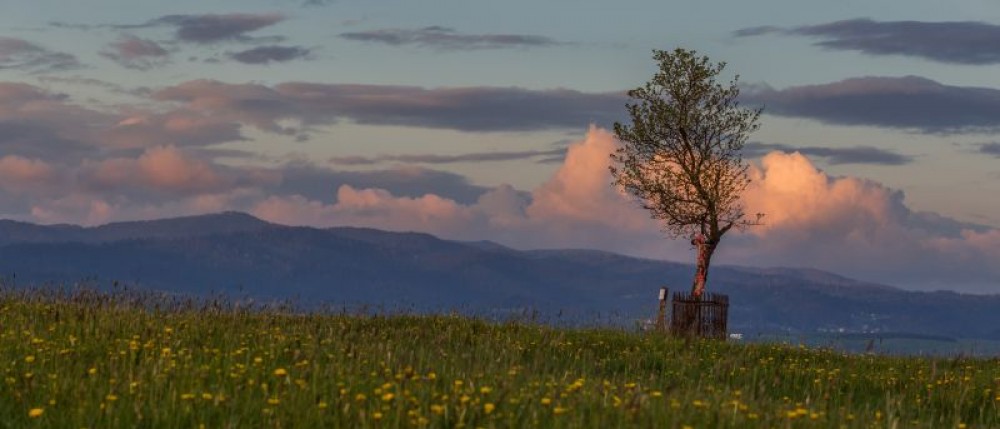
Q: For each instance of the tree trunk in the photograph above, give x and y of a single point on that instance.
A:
(705, 251)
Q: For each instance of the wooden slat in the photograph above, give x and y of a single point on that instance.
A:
(706, 317)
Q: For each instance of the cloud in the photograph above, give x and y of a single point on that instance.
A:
(212, 28)
(161, 168)
(858, 227)
(447, 39)
(143, 129)
(142, 92)
(19, 54)
(40, 124)
(269, 54)
(909, 103)
(448, 159)
(136, 53)
(409, 181)
(459, 108)
(24, 175)
(833, 155)
(990, 149)
(956, 42)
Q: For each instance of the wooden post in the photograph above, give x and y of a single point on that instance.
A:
(662, 314)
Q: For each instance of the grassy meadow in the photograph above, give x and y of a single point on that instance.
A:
(91, 360)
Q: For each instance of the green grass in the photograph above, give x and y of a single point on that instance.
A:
(98, 361)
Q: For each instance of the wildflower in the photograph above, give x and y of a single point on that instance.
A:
(546, 401)
(36, 412)
(273, 401)
(322, 405)
(29, 358)
(388, 396)
(111, 397)
(377, 415)
(485, 390)
(488, 407)
(187, 396)
(360, 397)
(559, 410)
(437, 409)
(280, 372)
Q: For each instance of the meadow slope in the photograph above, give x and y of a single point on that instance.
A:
(90, 360)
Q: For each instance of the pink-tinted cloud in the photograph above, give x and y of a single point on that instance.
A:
(162, 168)
(19, 174)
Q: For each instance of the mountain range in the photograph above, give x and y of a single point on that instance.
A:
(237, 255)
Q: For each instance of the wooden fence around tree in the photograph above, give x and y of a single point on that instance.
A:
(706, 317)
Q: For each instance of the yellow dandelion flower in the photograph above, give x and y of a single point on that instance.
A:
(437, 409)
(36, 412)
(546, 401)
(280, 372)
(489, 407)
(388, 396)
(92, 371)
(360, 397)
(29, 358)
(485, 390)
(111, 397)
(273, 401)
(322, 405)
(559, 410)
(377, 415)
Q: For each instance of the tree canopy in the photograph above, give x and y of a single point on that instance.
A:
(681, 153)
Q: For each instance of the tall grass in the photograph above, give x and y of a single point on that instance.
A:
(86, 359)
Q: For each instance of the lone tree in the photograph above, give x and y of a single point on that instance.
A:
(681, 154)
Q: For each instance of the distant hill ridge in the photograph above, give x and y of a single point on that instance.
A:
(240, 255)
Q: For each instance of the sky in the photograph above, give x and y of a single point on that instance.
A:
(876, 158)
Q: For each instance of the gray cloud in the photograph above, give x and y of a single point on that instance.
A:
(212, 28)
(990, 149)
(911, 103)
(321, 184)
(462, 108)
(443, 38)
(19, 54)
(44, 125)
(136, 53)
(97, 83)
(958, 42)
(269, 54)
(449, 159)
(834, 155)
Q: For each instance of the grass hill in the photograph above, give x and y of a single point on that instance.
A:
(126, 360)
